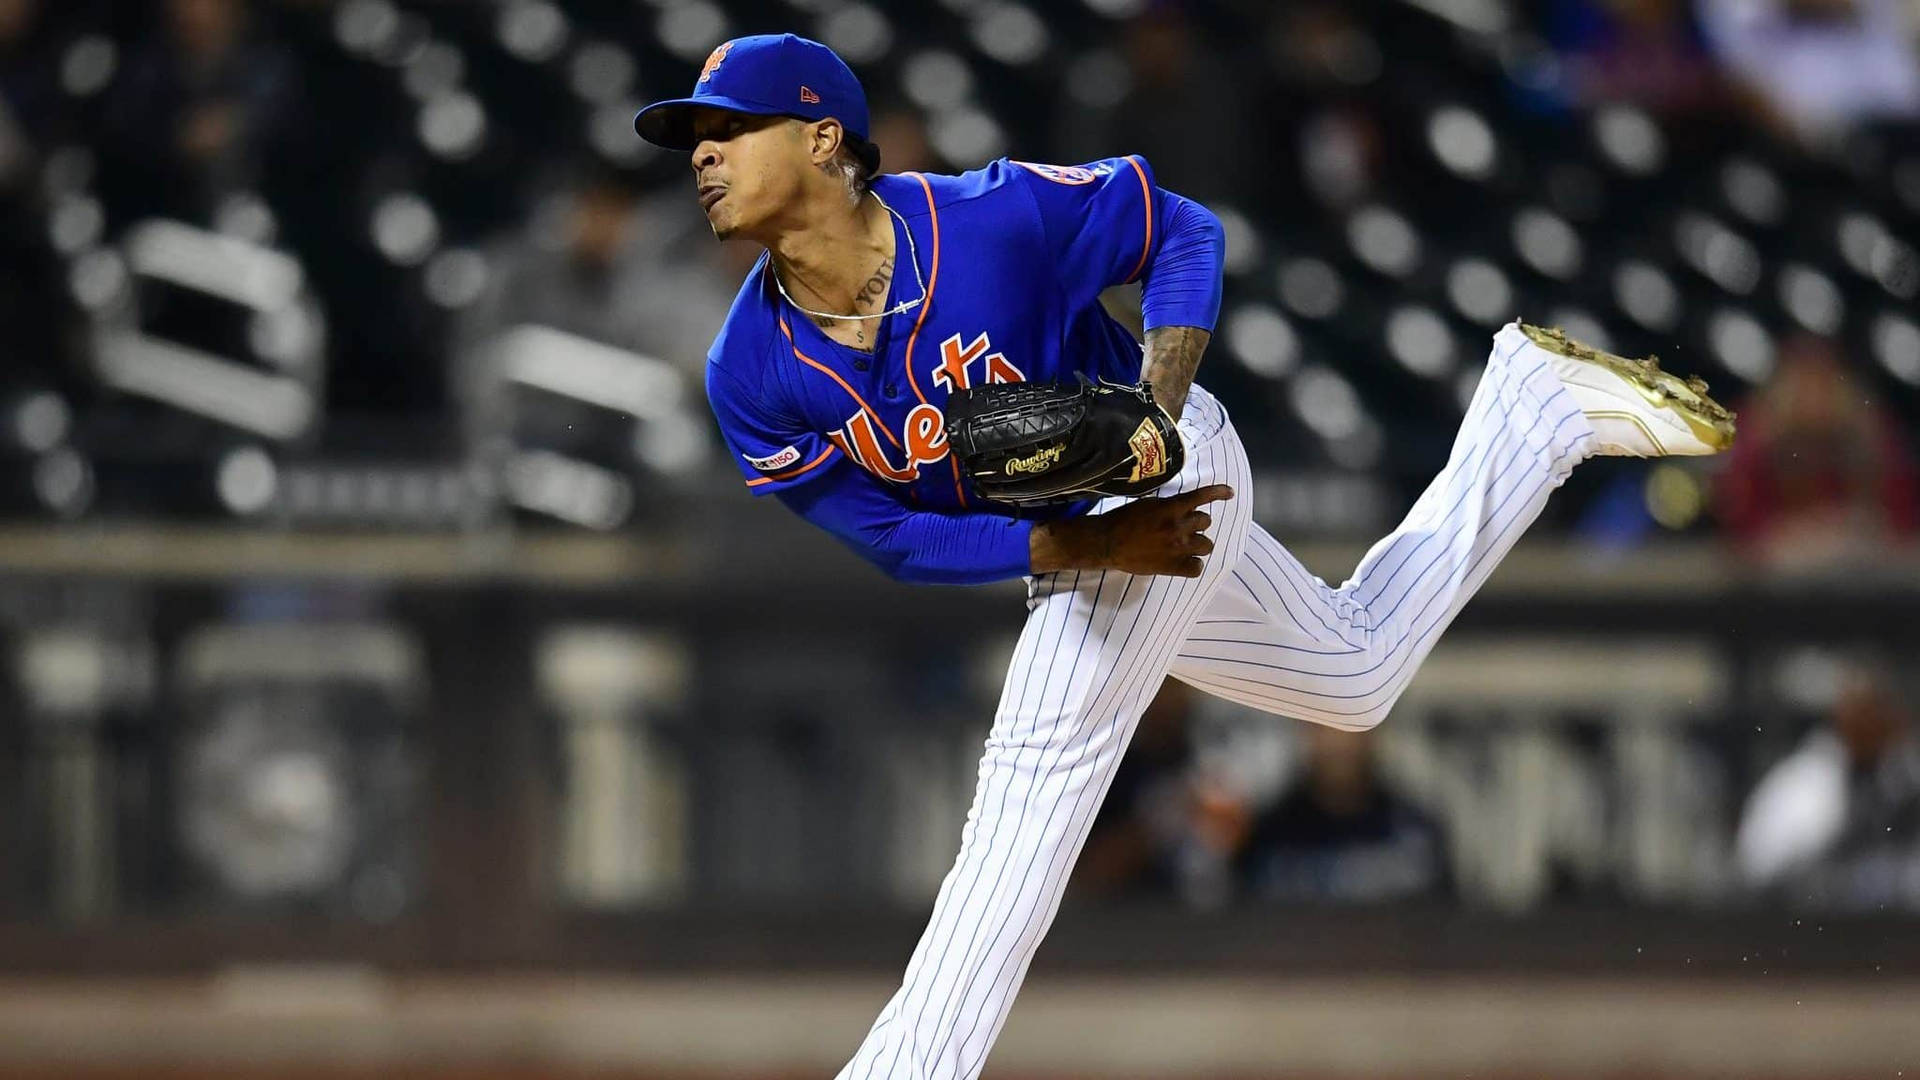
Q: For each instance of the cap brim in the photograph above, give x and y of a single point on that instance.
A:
(670, 123)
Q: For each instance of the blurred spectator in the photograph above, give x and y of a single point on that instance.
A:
(1837, 822)
(1340, 833)
(1819, 67)
(1820, 475)
(29, 87)
(601, 263)
(208, 108)
(901, 135)
(1647, 52)
(1162, 830)
(1176, 106)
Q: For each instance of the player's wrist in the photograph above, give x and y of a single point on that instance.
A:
(1069, 544)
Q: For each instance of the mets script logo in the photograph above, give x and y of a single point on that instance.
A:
(713, 60)
(923, 438)
(1064, 174)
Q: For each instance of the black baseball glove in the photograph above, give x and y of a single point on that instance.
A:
(1043, 443)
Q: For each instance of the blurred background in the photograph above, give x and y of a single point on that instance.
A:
(395, 681)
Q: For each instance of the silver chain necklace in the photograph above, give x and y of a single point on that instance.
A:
(913, 255)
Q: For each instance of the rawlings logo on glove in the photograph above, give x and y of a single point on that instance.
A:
(1036, 443)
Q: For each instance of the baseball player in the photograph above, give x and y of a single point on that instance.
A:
(883, 297)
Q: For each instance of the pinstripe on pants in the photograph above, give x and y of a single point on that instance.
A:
(1255, 628)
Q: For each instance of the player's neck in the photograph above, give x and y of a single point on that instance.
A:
(830, 248)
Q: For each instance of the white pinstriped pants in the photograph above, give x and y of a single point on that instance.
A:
(1255, 628)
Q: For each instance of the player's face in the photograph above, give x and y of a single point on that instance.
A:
(746, 168)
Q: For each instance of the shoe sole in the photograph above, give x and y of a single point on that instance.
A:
(1711, 422)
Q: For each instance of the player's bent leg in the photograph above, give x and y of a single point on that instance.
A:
(1092, 654)
(1280, 639)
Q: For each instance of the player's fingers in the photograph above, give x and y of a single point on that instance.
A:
(1190, 568)
(1201, 545)
(1196, 521)
(1201, 496)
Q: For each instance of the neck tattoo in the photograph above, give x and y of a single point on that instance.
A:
(872, 291)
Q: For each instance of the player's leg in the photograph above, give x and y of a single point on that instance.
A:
(1092, 654)
(1280, 639)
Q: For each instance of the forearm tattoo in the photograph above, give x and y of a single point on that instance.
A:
(1173, 355)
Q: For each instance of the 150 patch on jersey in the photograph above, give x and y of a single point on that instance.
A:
(774, 462)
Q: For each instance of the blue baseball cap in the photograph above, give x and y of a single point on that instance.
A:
(766, 75)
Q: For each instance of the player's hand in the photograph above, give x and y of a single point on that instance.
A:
(1149, 535)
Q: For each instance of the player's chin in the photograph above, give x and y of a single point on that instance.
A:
(723, 220)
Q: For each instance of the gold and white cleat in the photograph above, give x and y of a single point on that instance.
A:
(1636, 409)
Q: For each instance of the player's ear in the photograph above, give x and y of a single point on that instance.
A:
(826, 137)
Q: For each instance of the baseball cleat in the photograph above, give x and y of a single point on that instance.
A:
(1637, 410)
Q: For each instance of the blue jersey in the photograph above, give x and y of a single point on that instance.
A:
(1014, 257)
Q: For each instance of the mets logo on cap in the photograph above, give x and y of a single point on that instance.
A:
(713, 60)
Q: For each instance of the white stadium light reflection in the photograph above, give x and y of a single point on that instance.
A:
(1896, 341)
(1646, 294)
(1856, 235)
(88, 65)
(1311, 287)
(366, 27)
(1384, 241)
(98, 279)
(1462, 141)
(689, 30)
(456, 277)
(63, 481)
(1245, 249)
(40, 421)
(1326, 403)
(1479, 290)
(937, 79)
(1419, 339)
(1723, 256)
(601, 72)
(1630, 139)
(453, 126)
(1741, 344)
(1753, 191)
(1547, 243)
(532, 30)
(1263, 340)
(405, 229)
(858, 32)
(247, 480)
(966, 136)
(246, 216)
(1811, 298)
(75, 223)
(1010, 33)
(610, 131)
(437, 69)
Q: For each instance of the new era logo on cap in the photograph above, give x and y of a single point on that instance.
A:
(809, 96)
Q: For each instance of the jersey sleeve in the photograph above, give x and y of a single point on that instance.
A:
(770, 444)
(923, 547)
(1106, 223)
(1098, 218)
